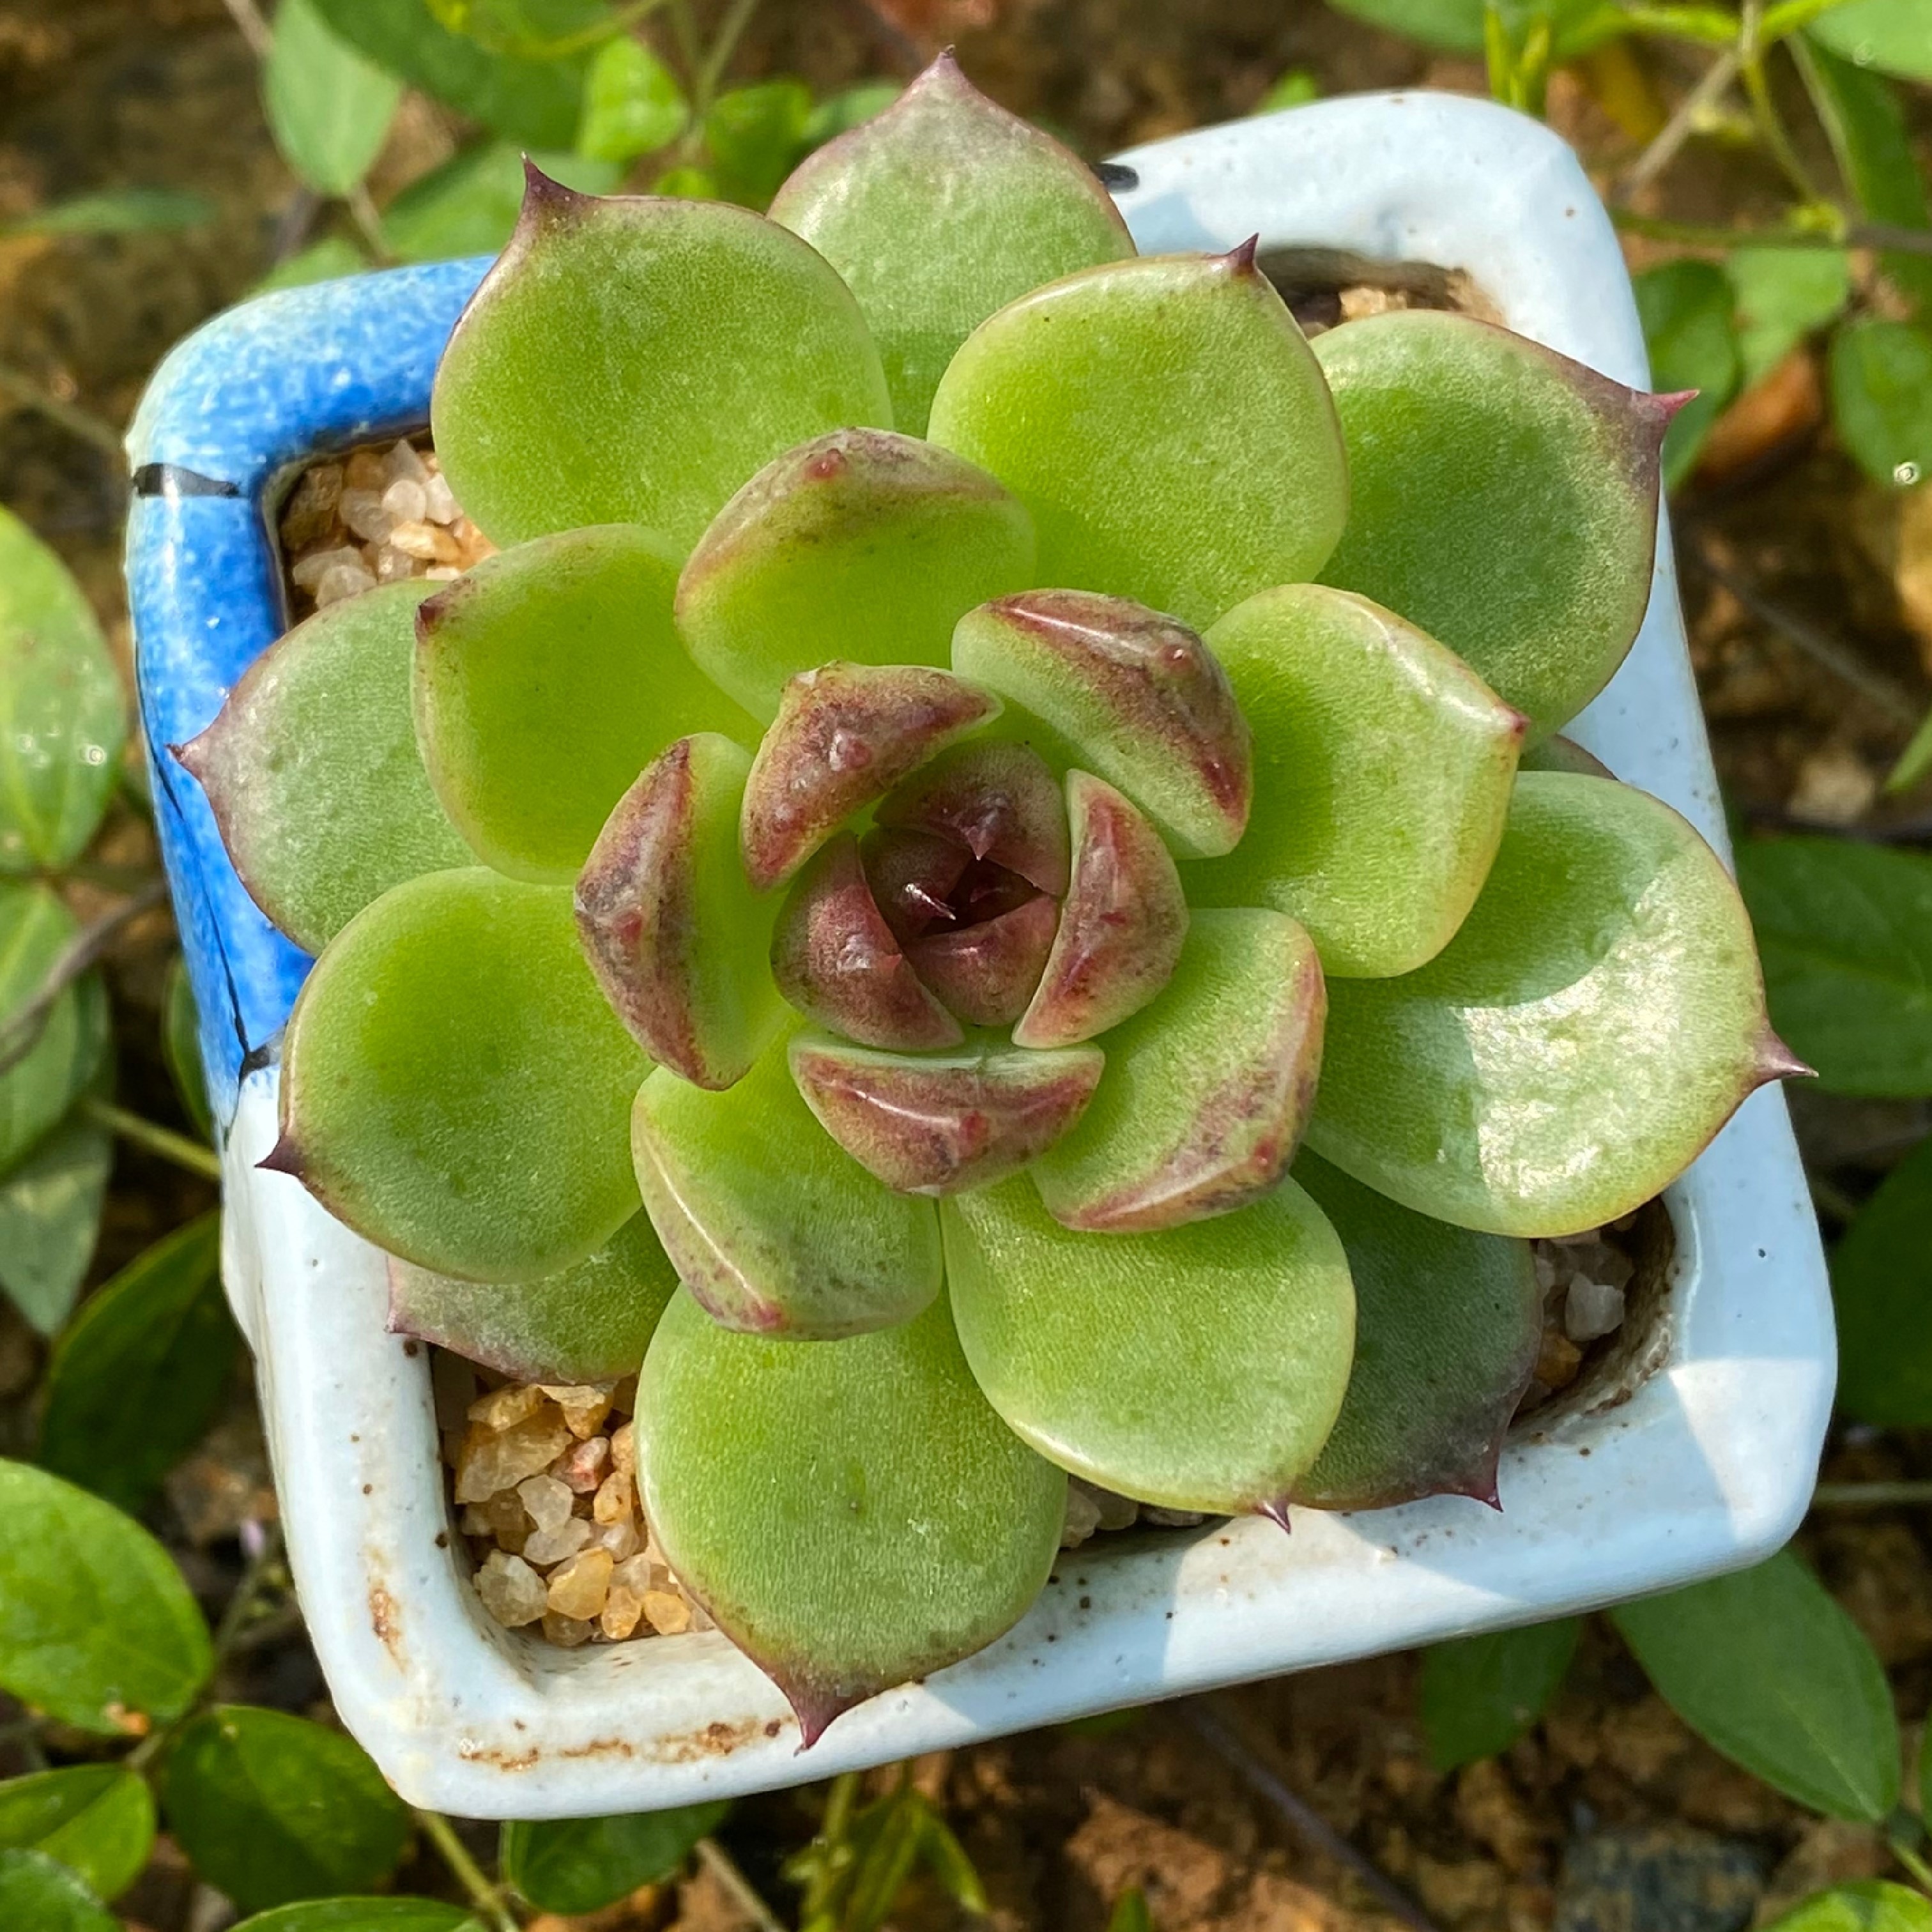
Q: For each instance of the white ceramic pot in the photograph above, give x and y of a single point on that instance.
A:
(1697, 1455)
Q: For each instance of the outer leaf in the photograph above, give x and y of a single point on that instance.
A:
(181, 1048)
(1882, 397)
(632, 103)
(1207, 1091)
(1167, 426)
(116, 211)
(1598, 1018)
(1882, 1285)
(1479, 1694)
(1765, 1666)
(1017, 209)
(454, 1087)
(1455, 26)
(35, 929)
(1894, 36)
(142, 1373)
(313, 771)
(1383, 768)
(363, 1915)
(469, 206)
(1846, 930)
(327, 260)
(62, 715)
(37, 1890)
(50, 1218)
(852, 1513)
(97, 1820)
(97, 1627)
(1783, 295)
(1200, 1368)
(582, 1864)
(1505, 500)
(850, 107)
(271, 1807)
(754, 135)
(863, 546)
(769, 1223)
(546, 678)
(329, 105)
(1686, 310)
(659, 427)
(1875, 1905)
(592, 1322)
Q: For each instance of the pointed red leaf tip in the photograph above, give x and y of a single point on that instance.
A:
(1664, 405)
(547, 200)
(844, 735)
(998, 799)
(815, 1707)
(1276, 1513)
(1774, 1061)
(1241, 258)
(986, 973)
(913, 875)
(284, 1157)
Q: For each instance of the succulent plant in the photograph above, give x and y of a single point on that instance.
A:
(939, 873)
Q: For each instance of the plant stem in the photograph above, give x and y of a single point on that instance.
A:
(1870, 1495)
(1681, 125)
(467, 1873)
(163, 1141)
(717, 57)
(21, 1029)
(369, 221)
(247, 17)
(832, 1828)
(1912, 1863)
(1764, 109)
(1828, 1196)
(21, 390)
(720, 1864)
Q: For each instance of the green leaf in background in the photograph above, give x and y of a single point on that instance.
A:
(50, 1218)
(536, 101)
(325, 261)
(945, 1858)
(468, 206)
(1454, 26)
(35, 929)
(1845, 932)
(1882, 1285)
(363, 1915)
(97, 1819)
(140, 1375)
(1479, 1694)
(62, 713)
(1865, 122)
(1685, 307)
(851, 107)
(1894, 36)
(116, 210)
(1782, 296)
(329, 105)
(756, 136)
(1295, 88)
(180, 1047)
(272, 1808)
(1874, 1905)
(632, 103)
(1765, 1667)
(1882, 397)
(97, 1627)
(39, 1892)
(1130, 1913)
(691, 183)
(580, 1864)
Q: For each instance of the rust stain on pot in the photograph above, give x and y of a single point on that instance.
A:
(717, 1739)
(471, 1752)
(386, 1621)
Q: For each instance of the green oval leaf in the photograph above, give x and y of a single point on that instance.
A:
(1597, 1019)
(1882, 398)
(1479, 1694)
(327, 260)
(454, 1086)
(1783, 295)
(1765, 1667)
(1875, 1906)
(632, 103)
(97, 1627)
(1846, 931)
(97, 1819)
(272, 1808)
(116, 211)
(329, 105)
(580, 1865)
(1881, 1287)
(363, 1915)
(1894, 36)
(681, 298)
(754, 135)
(50, 1220)
(62, 712)
(142, 1373)
(1686, 310)
(469, 206)
(37, 1890)
(36, 929)
(1455, 26)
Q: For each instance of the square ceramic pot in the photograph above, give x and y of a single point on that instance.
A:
(1693, 1451)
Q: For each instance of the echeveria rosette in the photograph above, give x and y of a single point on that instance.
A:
(995, 838)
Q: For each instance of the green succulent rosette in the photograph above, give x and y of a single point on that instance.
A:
(859, 919)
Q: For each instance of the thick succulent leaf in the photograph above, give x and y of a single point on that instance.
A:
(940, 210)
(835, 959)
(590, 1322)
(939, 1123)
(546, 678)
(1207, 1091)
(312, 768)
(913, 875)
(1139, 699)
(1122, 923)
(1383, 766)
(986, 973)
(852, 1513)
(769, 1223)
(1447, 1326)
(676, 937)
(454, 1086)
(1557, 753)
(1505, 499)
(1598, 1018)
(1199, 1367)
(860, 545)
(1166, 423)
(998, 799)
(845, 734)
(598, 375)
